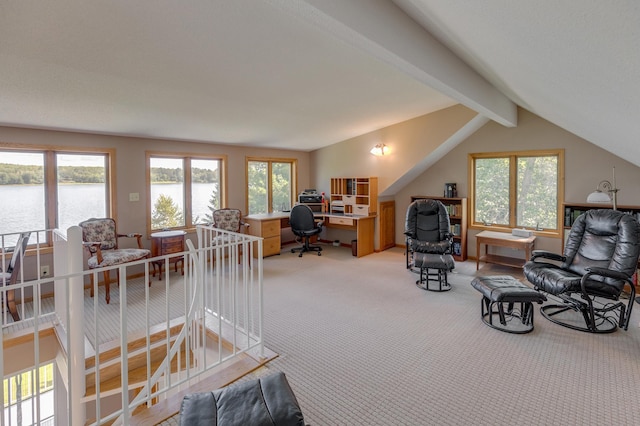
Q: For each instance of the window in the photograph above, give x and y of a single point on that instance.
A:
(52, 188)
(28, 396)
(271, 185)
(184, 190)
(517, 190)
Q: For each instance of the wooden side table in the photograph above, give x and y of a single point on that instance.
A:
(167, 242)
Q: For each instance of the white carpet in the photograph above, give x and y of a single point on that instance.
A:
(362, 345)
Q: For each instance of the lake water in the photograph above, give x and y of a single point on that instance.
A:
(79, 202)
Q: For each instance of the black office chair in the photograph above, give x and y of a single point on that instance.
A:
(429, 243)
(303, 225)
(600, 257)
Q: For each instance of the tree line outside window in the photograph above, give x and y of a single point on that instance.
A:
(517, 189)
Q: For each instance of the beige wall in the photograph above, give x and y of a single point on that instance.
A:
(130, 160)
(409, 142)
(585, 163)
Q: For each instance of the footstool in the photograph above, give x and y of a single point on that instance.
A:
(498, 290)
(440, 263)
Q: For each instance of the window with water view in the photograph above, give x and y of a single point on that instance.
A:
(184, 190)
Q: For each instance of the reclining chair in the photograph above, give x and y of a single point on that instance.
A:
(429, 242)
(600, 257)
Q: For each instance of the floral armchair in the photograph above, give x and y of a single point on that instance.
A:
(100, 237)
(228, 220)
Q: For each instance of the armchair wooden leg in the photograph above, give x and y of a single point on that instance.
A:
(107, 287)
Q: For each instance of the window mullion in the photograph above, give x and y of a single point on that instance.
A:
(188, 198)
(51, 189)
(513, 190)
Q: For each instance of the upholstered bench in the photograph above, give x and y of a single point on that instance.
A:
(440, 263)
(498, 290)
(265, 401)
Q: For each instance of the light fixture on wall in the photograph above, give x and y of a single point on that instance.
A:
(379, 150)
(605, 192)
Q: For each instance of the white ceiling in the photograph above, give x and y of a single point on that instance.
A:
(299, 74)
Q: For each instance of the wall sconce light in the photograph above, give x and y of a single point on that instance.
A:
(605, 192)
(379, 150)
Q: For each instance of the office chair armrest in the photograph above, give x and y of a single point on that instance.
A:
(320, 224)
(547, 255)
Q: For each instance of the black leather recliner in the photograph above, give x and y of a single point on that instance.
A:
(600, 257)
(429, 242)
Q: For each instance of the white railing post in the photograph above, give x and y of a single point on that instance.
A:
(75, 328)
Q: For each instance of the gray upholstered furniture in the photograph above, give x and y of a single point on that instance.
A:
(304, 225)
(268, 401)
(588, 280)
(508, 299)
(428, 243)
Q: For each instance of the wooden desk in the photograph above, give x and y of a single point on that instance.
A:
(167, 242)
(268, 226)
(502, 239)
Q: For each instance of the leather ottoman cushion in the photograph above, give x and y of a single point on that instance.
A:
(263, 402)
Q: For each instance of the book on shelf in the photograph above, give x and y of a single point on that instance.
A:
(457, 248)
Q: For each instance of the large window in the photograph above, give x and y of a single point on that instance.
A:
(45, 189)
(184, 190)
(517, 190)
(28, 398)
(271, 185)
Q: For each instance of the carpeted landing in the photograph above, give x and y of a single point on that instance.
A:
(362, 345)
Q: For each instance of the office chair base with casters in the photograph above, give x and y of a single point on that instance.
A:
(307, 247)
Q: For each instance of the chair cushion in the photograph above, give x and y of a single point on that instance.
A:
(116, 257)
(433, 261)
(227, 219)
(266, 401)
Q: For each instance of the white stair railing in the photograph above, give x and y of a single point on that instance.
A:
(222, 291)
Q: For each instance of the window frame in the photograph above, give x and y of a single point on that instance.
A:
(512, 156)
(270, 160)
(186, 158)
(51, 177)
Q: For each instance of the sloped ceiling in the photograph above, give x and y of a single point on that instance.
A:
(307, 74)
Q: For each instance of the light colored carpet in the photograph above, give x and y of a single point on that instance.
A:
(362, 345)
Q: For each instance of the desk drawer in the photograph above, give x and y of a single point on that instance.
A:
(172, 245)
(361, 209)
(349, 200)
(270, 228)
(270, 246)
(341, 221)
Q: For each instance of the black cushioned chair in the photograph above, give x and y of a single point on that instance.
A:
(303, 225)
(429, 241)
(600, 257)
(262, 402)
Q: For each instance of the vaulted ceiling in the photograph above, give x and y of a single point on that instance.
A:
(303, 74)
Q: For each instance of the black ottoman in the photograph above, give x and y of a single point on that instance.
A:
(268, 401)
(499, 290)
(440, 264)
